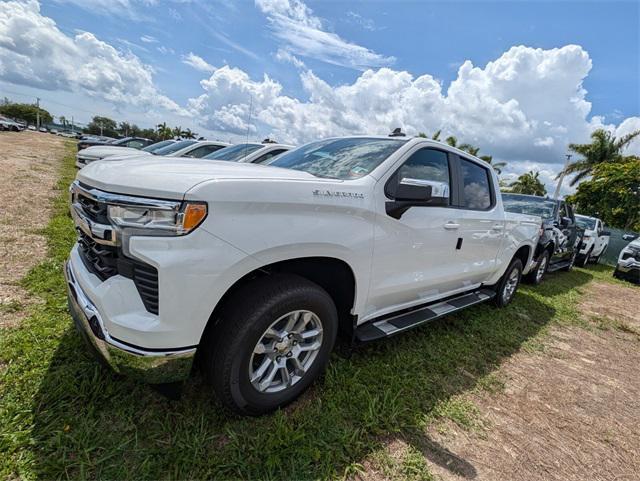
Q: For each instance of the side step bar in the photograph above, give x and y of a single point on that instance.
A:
(396, 323)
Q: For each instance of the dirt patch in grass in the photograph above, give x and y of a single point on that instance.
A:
(614, 302)
(29, 163)
(568, 413)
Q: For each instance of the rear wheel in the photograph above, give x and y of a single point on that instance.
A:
(273, 341)
(508, 285)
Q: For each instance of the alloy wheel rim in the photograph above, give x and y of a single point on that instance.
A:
(285, 351)
(541, 268)
(510, 285)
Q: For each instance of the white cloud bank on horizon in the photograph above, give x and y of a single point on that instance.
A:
(524, 107)
(34, 52)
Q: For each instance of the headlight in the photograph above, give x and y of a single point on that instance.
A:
(165, 218)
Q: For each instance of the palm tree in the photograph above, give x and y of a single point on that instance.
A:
(497, 166)
(435, 136)
(453, 142)
(528, 183)
(164, 131)
(604, 147)
(188, 134)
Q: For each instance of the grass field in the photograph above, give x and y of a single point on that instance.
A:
(63, 416)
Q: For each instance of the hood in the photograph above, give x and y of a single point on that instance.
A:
(172, 177)
(100, 151)
(635, 243)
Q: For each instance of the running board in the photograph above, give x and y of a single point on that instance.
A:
(396, 323)
(558, 266)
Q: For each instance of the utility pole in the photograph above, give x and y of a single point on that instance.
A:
(72, 127)
(37, 113)
(101, 128)
(566, 164)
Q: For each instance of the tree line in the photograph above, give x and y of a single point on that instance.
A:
(25, 112)
(105, 126)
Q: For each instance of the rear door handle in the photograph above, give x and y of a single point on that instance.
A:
(451, 226)
(498, 227)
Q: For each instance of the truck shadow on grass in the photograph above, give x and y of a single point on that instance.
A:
(88, 422)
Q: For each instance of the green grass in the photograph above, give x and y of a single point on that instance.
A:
(63, 416)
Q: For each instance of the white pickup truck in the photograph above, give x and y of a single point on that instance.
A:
(594, 241)
(257, 268)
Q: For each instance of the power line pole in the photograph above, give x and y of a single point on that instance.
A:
(37, 112)
(566, 164)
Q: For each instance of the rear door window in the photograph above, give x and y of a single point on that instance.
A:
(476, 186)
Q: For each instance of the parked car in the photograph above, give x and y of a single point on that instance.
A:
(594, 241)
(10, 125)
(628, 266)
(135, 142)
(99, 152)
(42, 129)
(32, 128)
(258, 267)
(181, 148)
(560, 236)
(250, 153)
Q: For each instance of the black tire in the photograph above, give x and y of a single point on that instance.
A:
(502, 299)
(244, 321)
(585, 260)
(569, 266)
(535, 277)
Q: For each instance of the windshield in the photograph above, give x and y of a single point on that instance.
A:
(525, 204)
(170, 149)
(343, 159)
(158, 145)
(586, 222)
(121, 141)
(234, 153)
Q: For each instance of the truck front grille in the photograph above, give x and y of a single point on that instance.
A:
(107, 261)
(96, 211)
(100, 259)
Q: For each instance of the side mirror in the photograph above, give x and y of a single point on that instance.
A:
(629, 237)
(605, 233)
(418, 190)
(415, 193)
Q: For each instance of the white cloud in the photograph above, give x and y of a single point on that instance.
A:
(148, 39)
(122, 8)
(34, 52)
(285, 56)
(302, 33)
(525, 107)
(197, 62)
(629, 125)
(365, 23)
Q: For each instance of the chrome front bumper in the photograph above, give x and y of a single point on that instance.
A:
(152, 366)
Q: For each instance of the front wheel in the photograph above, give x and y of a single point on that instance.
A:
(273, 341)
(535, 277)
(508, 285)
(584, 261)
(572, 262)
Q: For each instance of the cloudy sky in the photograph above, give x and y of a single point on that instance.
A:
(519, 79)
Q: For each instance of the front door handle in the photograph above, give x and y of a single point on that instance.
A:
(498, 227)
(451, 226)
